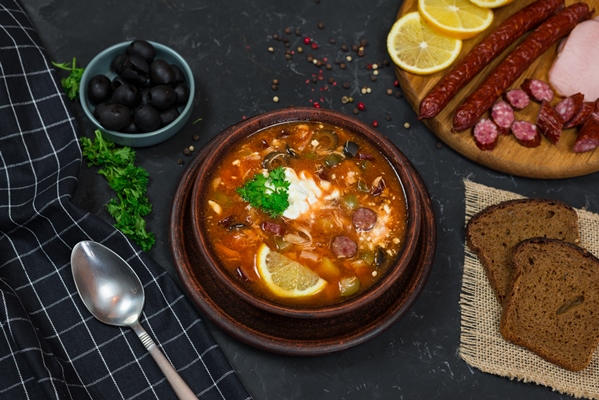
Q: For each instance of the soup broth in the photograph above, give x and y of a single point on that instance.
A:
(344, 219)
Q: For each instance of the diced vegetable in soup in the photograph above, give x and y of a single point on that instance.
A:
(305, 213)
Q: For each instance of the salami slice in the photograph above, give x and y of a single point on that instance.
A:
(526, 133)
(570, 106)
(588, 137)
(486, 134)
(585, 112)
(364, 219)
(538, 90)
(517, 98)
(503, 116)
(344, 247)
(549, 122)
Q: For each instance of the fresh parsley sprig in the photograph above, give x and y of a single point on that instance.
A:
(70, 84)
(268, 193)
(129, 183)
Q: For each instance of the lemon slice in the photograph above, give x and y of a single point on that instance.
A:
(491, 3)
(285, 277)
(416, 48)
(459, 19)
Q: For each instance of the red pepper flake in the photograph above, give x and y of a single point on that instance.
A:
(307, 40)
(360, 106)
(316, 104)
(375, 123)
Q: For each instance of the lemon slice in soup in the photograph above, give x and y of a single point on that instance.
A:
(286, 277)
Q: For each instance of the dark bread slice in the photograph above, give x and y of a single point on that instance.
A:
(493, 233)
(553, 308)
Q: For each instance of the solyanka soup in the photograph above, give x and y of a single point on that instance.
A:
(305, 213)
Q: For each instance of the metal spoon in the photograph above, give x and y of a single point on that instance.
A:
(113, 293)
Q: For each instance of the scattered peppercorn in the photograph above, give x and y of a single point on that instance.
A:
(342, 66)
(389, 92)
(355, 111)
(406, 125)
(314, 46)
(332, 41)
(388, 117)
(307, 40)
(180, 161)
(375, 123)
(287, 31)
(320, 25)
(298, 32)
(276, 37)
(344, 47)
(195, 137)
(186, 151)
(271, 50)
(275, 99)
(361, 106)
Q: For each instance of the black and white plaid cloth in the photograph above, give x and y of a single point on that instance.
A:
(50, 345)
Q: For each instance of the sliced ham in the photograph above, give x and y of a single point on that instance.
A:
(575, 68)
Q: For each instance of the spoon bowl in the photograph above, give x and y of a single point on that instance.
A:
(114, 294)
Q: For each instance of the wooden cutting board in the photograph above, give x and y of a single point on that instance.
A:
(547, 161)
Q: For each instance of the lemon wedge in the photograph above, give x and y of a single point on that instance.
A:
(459, 19)
(416, 48)
(285, 277)
(491, 3)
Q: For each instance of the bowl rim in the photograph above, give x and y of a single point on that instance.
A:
(87, 75)
(394, 156)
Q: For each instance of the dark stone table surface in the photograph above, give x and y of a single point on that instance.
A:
(227, 45)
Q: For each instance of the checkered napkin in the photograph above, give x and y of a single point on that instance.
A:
(50, 345)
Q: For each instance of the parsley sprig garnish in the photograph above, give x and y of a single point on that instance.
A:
(129, 183)
(269, 193)
(70, 84)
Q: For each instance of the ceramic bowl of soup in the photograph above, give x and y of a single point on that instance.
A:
(305, 212)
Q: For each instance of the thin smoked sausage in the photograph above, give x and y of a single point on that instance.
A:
(549, 32)
(478, 58)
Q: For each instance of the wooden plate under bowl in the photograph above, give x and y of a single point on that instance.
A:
(277, 333)
(547, 161)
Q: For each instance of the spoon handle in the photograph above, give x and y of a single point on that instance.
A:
(177, 383)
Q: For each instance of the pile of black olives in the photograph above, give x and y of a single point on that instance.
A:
(144, 95)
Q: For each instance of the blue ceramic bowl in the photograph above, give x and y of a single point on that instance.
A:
(100, 64)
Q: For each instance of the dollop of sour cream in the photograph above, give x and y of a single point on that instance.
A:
(303, 193)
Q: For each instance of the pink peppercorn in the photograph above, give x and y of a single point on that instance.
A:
(314, 46)
(307, 40)
(316, 104)
(360, 106)
(375, 123)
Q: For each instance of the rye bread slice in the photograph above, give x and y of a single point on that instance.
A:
(493, 233)
(553, 308)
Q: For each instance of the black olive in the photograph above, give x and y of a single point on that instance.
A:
(117, 63)
(99, 89)
(113, 117)
(135, 69)
(169, 116)
(145, 96)
(162, 97)
(275, 159)
(132, 128)
(179, 75)
(379, 257)
(147, 118)
(182, 92)
(162, 73)
(236, 227)
(143, 49)
(350, 149)
(118, 81)
(126, 94)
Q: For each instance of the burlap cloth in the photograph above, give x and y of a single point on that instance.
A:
(481, 344)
